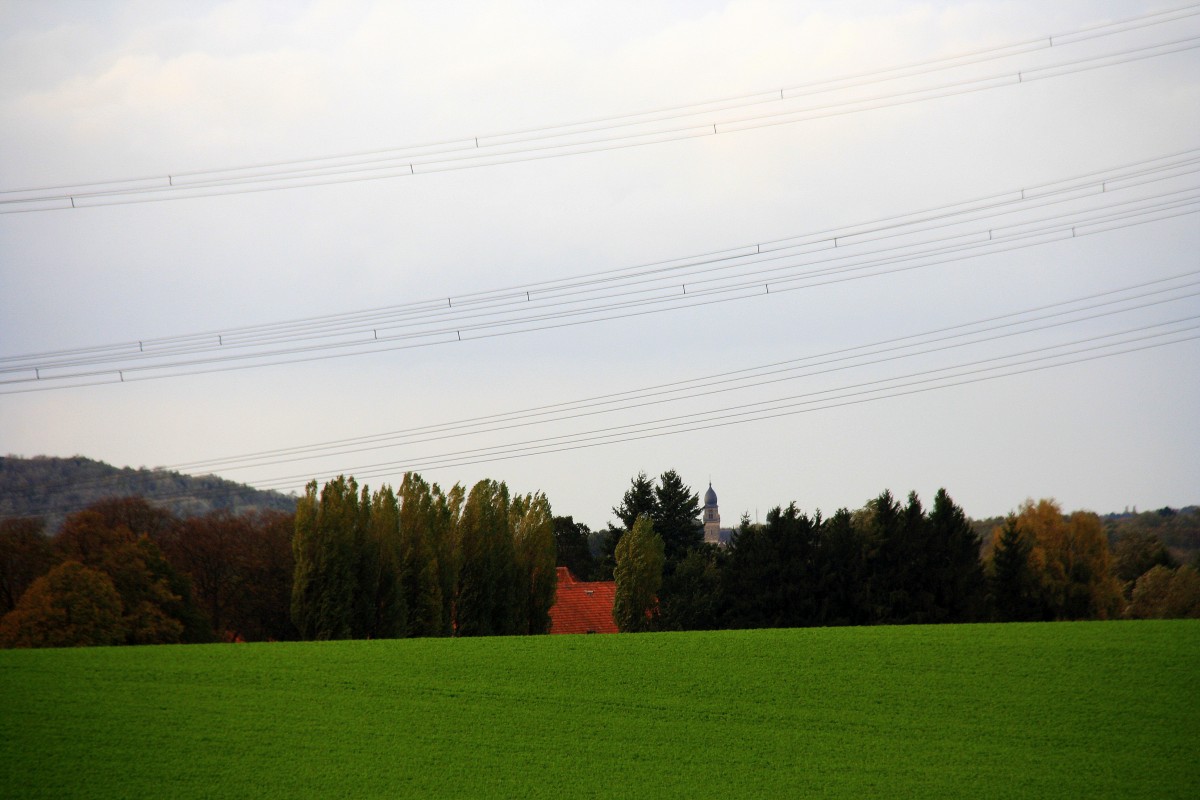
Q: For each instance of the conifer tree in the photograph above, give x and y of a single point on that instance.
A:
(1014, 586)
(955, 569)
(676, 516)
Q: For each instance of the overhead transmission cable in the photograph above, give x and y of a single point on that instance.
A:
(1075, 311)
(756, 273)
(972, 372)
(1123, 176)
(628, 130)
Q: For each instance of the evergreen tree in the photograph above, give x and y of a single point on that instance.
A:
(844, 561)
(691, 597)
(573, 548)
(638, 574)
(770, 578)
(1013, 584)
(883, 523)
(955, 569)
(676, 517)
(639, 500)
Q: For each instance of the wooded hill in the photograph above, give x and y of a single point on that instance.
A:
(54, 487)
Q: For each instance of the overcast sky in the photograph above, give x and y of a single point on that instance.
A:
(106, 91)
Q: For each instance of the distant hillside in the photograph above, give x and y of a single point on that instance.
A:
(54, 487)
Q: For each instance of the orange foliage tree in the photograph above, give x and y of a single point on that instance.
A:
(70, 606)
(1070, 557)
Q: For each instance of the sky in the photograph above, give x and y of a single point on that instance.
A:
(92, 94)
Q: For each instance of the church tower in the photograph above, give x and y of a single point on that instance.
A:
(712, 517)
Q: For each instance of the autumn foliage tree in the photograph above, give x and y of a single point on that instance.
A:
(1166, 593)
(25, 555)
(157, 604)
(1070, 557)
(71, 606)
(241, 571)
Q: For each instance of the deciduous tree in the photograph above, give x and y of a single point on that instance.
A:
(532, 527)
(71, 606)
(25, 555)
(638, 574)
(488, 597)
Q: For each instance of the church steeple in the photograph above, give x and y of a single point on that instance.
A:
(712, 517)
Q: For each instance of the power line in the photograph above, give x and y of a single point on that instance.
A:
(748, 276)
(628, 130)
(856, 396)
(1075, 311)
(709, 387)
(621, 310)
(737, 415)
(1119, 177)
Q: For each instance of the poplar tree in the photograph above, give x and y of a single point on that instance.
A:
(533, 537)
(324, 585)
(390, 604)
(487, 601)
(638, 575)
(418, 527)
(448, 509)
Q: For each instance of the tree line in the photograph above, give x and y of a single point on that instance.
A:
(889, 562)
(420, 561)
(349, 563)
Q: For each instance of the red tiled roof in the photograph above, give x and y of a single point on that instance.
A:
(582, 606)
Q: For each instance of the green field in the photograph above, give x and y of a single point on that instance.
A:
(1040, 710)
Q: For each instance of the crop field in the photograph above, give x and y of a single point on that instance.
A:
(1039, 710)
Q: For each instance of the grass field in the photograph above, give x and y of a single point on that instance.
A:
(1052, 710)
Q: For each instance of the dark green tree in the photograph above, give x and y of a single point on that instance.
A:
(639, 500)
(571, 542)
(1014, 591)
(676, 516)
(844, 562)
(771, 578)
(691, 598)
(952, 565)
